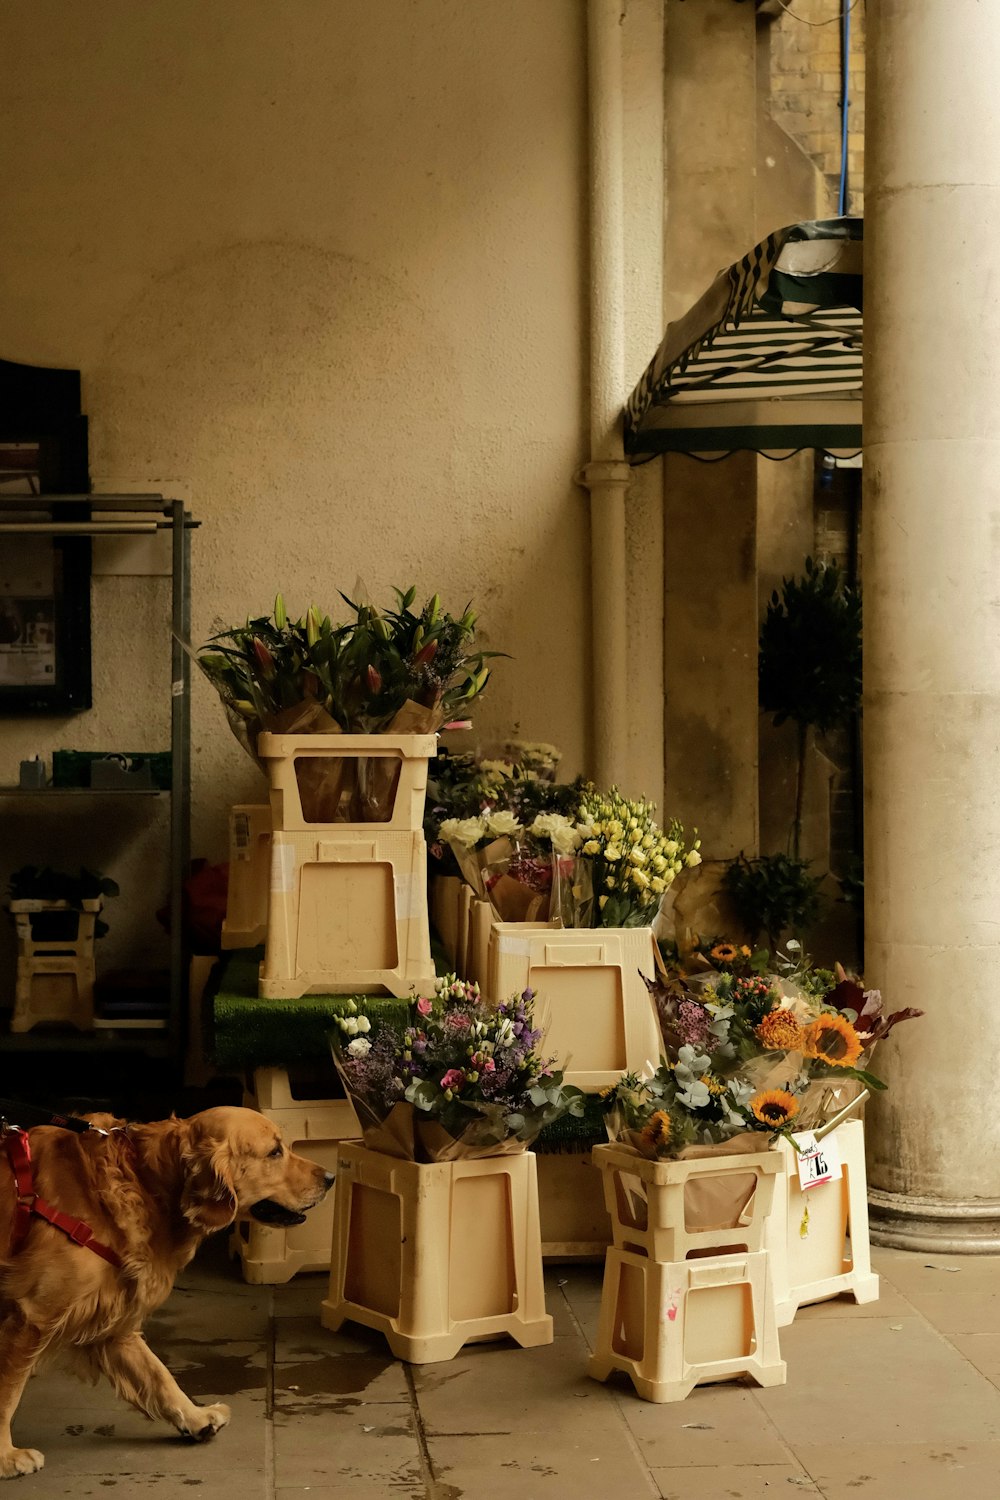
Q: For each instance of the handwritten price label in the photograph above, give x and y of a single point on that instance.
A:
(818, 1161)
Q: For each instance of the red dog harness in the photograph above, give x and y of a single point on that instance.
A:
(28, 1202)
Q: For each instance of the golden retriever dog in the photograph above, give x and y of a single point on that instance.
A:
(151, 1193)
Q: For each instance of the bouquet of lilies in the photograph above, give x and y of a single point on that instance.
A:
(405, 670)
(462, 1078)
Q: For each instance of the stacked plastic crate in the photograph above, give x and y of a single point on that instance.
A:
(332, 879)
(686, 1301)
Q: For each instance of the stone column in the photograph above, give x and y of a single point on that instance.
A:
(931, 551)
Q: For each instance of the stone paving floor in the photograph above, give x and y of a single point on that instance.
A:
(897, 1399)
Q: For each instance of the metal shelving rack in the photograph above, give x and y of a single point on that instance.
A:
(132, 515)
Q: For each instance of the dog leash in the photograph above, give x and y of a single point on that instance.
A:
(27, 1116)
(15, 1141)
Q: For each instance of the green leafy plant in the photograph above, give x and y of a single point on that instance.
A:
(852, 884)
(772, 894)
(809, 660)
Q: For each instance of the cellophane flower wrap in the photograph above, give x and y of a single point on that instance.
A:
(622, 863)
(479, 824)
(464, 1077)
(747, 1051)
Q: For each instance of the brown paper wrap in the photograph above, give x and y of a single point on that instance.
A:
(411, 1135)
(514, 902)
(355, 789)
(473, 863)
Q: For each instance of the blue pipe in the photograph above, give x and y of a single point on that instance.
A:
(845, 71)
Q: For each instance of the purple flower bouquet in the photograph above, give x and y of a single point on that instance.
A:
(462, 1078)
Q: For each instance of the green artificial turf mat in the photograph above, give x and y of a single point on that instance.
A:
(249, 1032)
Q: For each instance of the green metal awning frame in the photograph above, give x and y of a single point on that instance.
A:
(768, 360)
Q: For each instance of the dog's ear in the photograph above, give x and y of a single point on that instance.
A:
(208, 1200)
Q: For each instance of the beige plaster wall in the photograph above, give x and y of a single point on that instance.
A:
(323, 269)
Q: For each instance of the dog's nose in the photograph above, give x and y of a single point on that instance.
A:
(329, 1178)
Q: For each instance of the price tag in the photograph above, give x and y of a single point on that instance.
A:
(818, 1161)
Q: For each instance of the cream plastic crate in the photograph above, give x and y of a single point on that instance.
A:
(600, 1015)
(245, 922)
(465, 900)
(55, 976)
(671, 1210)
(445, 898)
(313, 1128)
(574, 1219)
(672, 1325)
(271, 1093)
(436, 1256)
(403, 756)
(348, 915)
(808, 1231)
(477, 951)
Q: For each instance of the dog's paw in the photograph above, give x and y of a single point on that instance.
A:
(17, 1461)
(213, 1418)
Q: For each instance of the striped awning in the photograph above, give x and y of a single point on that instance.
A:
(769, 359)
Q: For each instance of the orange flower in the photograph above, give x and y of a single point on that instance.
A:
(656, 1131)
(776, 1107)
(779, 1031)
(832, 1039)
(723, 953)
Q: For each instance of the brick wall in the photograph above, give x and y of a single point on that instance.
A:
(805, 77)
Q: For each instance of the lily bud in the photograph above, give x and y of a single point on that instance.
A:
(312, 625)
(380, 627)
(418, 638)
(435, 609)
(409, 596)
(373, 678)
(264, 658)
(426, 653)
(280, 617)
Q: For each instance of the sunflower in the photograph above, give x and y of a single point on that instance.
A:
(713, 1084)
(724, 953)
(832, 1039)
(656, 1131)
(779, 1031)
(776, 1108)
